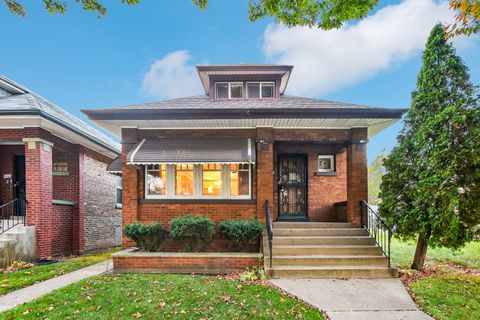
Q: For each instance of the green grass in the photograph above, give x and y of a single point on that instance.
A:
(166, 296)
(449, 296)
(402, 254)
(23, 278)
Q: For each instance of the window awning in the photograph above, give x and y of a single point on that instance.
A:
(192, 151)
(115, 167)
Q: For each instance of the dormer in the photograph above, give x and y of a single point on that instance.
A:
(244, 81)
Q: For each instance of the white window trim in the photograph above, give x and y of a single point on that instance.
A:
(332, 159)
(229, 90)
(261, 83)
(198, 185)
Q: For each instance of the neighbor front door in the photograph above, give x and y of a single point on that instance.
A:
(19, 184)
(292, 187)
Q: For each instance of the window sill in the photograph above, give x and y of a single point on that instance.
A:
(197, 201)
(328, 174)
(60, 173)
(63, 202)
(118, 206)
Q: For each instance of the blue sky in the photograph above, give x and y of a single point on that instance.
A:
(79, 61)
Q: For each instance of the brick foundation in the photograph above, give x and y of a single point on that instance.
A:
(204, 263)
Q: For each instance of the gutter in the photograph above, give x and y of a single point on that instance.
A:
(63, 124)
(235, 113)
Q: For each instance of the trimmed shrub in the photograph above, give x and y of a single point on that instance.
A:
(148, 237)
(241, 232)
(195, 232)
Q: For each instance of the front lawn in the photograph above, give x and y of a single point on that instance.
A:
(23, 278)
(164, 296)
(402, 254)
(449, 296)
(449, 286)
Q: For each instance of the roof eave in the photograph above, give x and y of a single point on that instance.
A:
(190, 114)
(63, 124)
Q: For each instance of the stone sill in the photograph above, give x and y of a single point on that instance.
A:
(326, 174)
(63, 202)
(197, 201)
(60, 173)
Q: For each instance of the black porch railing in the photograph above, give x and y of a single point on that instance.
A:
(12, 214)
(377, 228)
(269, 229)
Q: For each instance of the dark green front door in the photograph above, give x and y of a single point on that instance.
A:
(292, 187)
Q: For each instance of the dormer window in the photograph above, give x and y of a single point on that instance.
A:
(254, 90)
(260, 90)
(229, 90)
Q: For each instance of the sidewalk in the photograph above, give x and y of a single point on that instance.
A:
(15, 298)
(356, 299)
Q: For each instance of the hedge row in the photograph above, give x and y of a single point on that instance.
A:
(195, 232)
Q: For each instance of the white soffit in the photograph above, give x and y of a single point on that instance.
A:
(374, 125)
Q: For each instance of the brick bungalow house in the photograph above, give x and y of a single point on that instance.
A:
(53, 177)
(225, 153)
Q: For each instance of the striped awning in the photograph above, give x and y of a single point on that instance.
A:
(115, 166)
(192, 151)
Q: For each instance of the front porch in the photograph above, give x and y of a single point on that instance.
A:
(40, 190)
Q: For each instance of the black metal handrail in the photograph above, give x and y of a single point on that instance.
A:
(377, 228)
(11, 215)
(269, 229)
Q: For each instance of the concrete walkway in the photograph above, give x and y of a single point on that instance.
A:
(356, 299)
(27, 294)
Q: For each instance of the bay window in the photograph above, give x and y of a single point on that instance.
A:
(199, 181)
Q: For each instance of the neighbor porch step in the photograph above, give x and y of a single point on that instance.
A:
(326, 260)
(330, 272)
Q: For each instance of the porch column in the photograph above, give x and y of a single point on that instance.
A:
(38, 177)
(130, 187)
(357, 175)
(265, 173)
(77, 173)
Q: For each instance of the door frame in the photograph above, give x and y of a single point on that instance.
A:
(292, 217)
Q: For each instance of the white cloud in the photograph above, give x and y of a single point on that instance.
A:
(328, 60)
(172, 77)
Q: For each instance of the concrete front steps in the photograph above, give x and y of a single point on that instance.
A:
(309, 250)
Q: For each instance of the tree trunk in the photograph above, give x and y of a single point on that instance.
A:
(421, 251)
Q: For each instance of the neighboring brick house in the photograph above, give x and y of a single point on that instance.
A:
(53, 173)
(225, 153)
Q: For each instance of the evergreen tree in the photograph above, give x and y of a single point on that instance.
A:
(431, 189)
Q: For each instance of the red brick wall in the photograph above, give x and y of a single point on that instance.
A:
(62, 233)
(323, 191)
(38, 165)
(183, 264)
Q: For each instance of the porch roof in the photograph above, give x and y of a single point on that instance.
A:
(192, 151)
